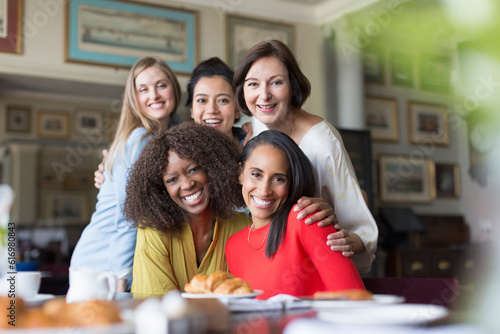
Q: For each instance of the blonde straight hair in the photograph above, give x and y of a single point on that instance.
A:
(131, 116)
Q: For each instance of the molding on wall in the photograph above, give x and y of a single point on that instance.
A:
(277, 10)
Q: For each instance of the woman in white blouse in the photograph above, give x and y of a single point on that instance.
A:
(271, 87)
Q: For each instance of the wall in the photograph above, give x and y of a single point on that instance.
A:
(42, 61)
(43, 48)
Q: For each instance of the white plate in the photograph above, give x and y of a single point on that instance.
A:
(342, 303)
(119, 328)
(402, 314)
(38, 299)
(221, 296)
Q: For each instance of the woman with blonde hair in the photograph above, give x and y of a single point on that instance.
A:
(152, 94)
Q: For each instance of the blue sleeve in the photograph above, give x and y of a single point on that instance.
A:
(122, 243)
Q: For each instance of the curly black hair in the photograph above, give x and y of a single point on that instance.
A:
(148, 204)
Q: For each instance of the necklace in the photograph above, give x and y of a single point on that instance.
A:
(264, 239)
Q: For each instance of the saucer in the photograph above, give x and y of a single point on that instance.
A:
(38, 299)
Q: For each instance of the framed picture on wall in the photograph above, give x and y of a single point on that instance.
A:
(428, 123)
(243, 32)
(401, 69)
(18, 119)
(404, 179)
(48, 179)
(373, 64)
(435, 73)
(447, 180)
(87, 120)
(11, 13)
(382, 118)
(117, 33)
(53, 124)
(70, 207)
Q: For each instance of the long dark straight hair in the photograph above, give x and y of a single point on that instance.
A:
(301, 181)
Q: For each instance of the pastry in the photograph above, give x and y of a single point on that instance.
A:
(197, 285)
(56, 313)
(349, 294)
(219, 282)
(233, 286)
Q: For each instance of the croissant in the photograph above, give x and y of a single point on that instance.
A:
(217, 283)
(349, 294)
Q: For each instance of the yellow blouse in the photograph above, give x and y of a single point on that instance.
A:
(163, 263)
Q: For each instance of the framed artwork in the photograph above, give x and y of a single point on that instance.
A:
(382, 118)
(11, 13)
(52, 124)
(401, 69)
(117, 33)
(18, 119)
(428, 123)
(373, 64)
(435, 73)
(88, 121)
(447, 180)
(243, 32)
(48, 179)
(406, 180)
(359, 148)
(68, 206)
(80, 179)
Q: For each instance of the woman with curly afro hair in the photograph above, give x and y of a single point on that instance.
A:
(182, 193)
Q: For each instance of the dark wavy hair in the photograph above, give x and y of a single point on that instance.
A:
(148, 204)
(208, 68)
(301, 181)
(301, 87)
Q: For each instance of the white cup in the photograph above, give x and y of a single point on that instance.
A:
(28, 284)
(86, 284)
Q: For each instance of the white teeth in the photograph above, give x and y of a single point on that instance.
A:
(156, 105)
(261, 202)
(267, 106)
(194, 197)
(213, 121)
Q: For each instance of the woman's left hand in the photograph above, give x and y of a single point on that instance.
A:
(308, 205)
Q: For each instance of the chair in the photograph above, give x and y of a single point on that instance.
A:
(437, 291)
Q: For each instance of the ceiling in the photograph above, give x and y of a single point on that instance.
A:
(289, 10)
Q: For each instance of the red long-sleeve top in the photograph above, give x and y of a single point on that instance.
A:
(303, 264)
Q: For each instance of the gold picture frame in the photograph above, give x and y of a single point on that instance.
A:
(53, 124)
(428, 123)
(382, 118)
(244, 32)
(18, 119)
(403, 179)
(69, 207)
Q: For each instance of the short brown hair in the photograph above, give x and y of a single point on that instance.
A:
(148, 204)
(301, 87)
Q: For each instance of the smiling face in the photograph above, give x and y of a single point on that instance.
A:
(155, 94)
(213, 104)
(187, 184)
(264, 180)
(268, 91)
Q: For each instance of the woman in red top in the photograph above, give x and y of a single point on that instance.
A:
(277, 253)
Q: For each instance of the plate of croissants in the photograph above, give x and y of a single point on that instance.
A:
(56, 316)
(220, 284)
